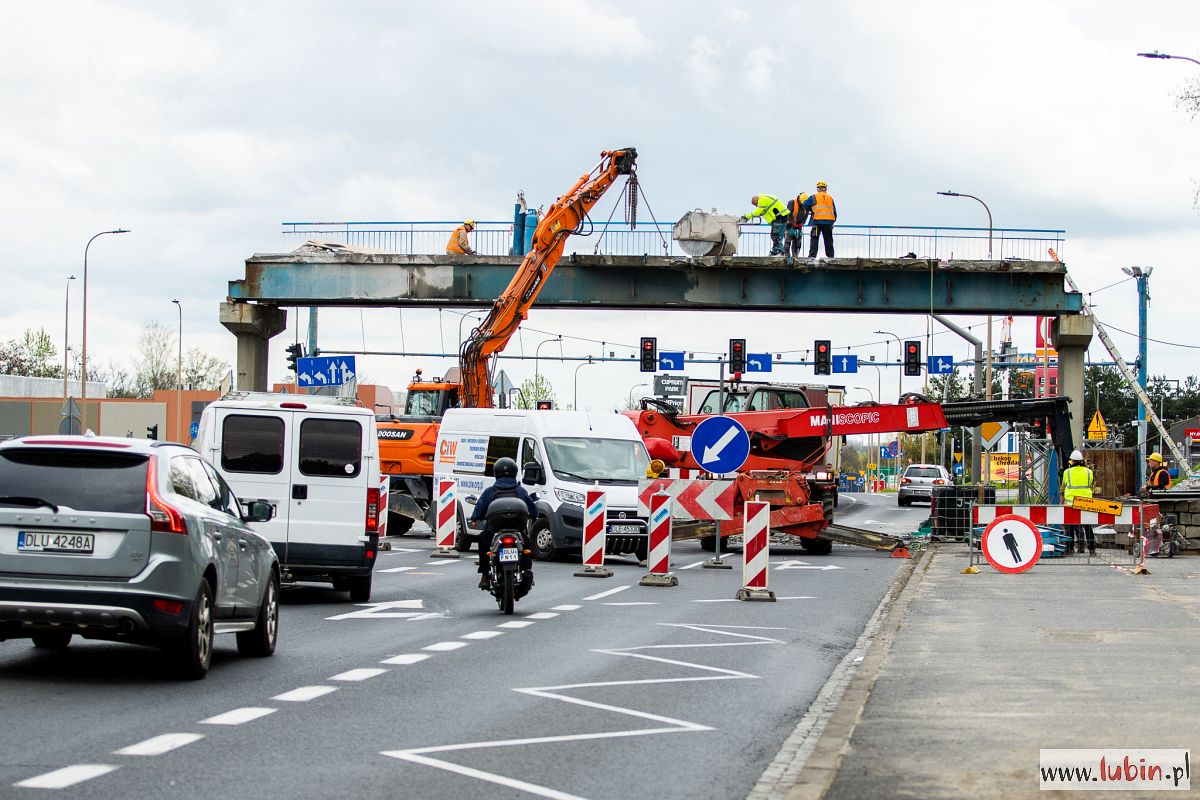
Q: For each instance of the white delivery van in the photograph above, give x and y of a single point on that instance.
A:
(316, 460)
(576, 450)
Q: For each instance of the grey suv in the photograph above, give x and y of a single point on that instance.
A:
(918, 481)
(133, 541)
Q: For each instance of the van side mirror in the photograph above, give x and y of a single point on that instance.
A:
(534, 474)
(258, 511)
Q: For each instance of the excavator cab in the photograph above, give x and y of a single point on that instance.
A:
(433, 397)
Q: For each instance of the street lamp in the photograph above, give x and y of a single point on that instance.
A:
(1156, 54)
(985, 208)
(631, 389)
(581, 366)
(179, 378)
(83, 357)
(900, 380)
(537, 352)
(67, 337)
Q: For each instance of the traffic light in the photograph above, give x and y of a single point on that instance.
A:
(295, 351)
(649, 354)
(822, 357)
(737, 355)
(912, 357)
(543, 405)
(152, 432)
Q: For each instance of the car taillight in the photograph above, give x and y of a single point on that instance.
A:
(906, 480)
(163, 516)
(373, 498)
(938, 482)
(168, 606)
(507, 540)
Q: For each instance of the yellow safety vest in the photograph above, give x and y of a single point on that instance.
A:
(458, 241)
(1077, 482)
(822, 209)
(769, 208)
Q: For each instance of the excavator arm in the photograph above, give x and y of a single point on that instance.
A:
(511, 307)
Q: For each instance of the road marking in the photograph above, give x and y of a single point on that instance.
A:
(305, 693)
(405, 659)
(158, 745)
(238, 716)
(428, 573)
(542, 615)
(67, 776)
(360, 674)
(483, 635)
(566, 608)
(388, 610)
(518, 623)
(695, 564)
(804, 565)
(632, 603)
(609, 593)
(398, 569)
(443, 562)
(395, 551)
(442, 647)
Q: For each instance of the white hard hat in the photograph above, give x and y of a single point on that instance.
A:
(1076, 455)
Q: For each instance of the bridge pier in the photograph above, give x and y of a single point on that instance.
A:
(253, 325)
(1071, 336)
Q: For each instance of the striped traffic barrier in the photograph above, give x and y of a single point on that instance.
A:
(595, 523)
(659, 561)
(756, 551)
(447, 518)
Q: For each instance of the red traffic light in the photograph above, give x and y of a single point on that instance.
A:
(647, 344)
(822, 348)
(912, 348)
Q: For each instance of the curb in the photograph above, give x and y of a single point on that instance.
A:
(808, 761)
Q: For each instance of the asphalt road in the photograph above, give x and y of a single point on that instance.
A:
(596, 688)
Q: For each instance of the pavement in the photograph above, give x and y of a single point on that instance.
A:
(971, 675)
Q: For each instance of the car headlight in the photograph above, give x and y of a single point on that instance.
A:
(567, 496)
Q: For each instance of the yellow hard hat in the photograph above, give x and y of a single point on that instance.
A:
(470, 222)
(1155, 457)
(822, 185)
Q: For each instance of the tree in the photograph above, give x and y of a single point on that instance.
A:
(536, 388)
(156, 366)
(203, 371)
(33, 356)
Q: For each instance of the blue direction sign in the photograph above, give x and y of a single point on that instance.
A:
(845, 363)
(720, 445)
(890, 450)
(758, 362)
(958, 468)
(325, 370)
(194, 430)
(670, 360)
(940, 365)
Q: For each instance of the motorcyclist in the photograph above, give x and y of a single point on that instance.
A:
(506, 485)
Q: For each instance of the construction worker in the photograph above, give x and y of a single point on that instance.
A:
(1078, 481)
(1157, 476)
(824, 215)
(459, 244)
(775, 214)
(796, 217)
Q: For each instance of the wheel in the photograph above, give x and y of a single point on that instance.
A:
(708, 544)
(52, 640)
(360, 588)
(193, 651)
(462, 542)
(903, 501)
(260, 642)
(508, 591)
(817, 547)
(398, 524)
(541, 539)
(341, 584)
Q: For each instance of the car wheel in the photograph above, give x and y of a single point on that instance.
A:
(360, 588)
(193, 652)
(817, 547)
(52, 640)
(462, 542)
(542, 541)
(903, 501)
(708, 544)
(341, 584)
(260, 642)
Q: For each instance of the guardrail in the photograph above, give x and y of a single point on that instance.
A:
(851, 241)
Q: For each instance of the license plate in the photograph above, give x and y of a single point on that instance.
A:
(618, 528)
(38, 542)
(509, 554)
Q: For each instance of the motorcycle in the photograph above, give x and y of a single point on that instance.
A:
(510, 565)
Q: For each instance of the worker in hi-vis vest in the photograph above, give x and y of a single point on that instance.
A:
(775, 215)
(796, 217)
(824, 215)
(459, 244)
(1078, 481)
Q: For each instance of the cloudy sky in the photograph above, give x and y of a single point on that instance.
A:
(201, 126)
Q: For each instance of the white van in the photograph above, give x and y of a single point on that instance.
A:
(316, 460)
(577, 451)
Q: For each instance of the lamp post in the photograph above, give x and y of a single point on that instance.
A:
(179, 378)
(631, 389)
(871, 452)
(1156, 54)
(67, 337)
(985, 208)
(581, 366)
(83, 354)
(537, 354)
(900, 380)
(1142, 276)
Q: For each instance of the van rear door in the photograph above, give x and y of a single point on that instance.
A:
(252, 457)
(330, 478)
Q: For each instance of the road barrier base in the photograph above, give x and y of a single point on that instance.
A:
(715, 563)
(659, 580)
(901, 552)
(445, 552)
(594, 572)
(384, 544)
(752, 593)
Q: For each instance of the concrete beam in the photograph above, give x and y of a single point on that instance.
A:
(643, 282)
(1071, 337)
(253, 325)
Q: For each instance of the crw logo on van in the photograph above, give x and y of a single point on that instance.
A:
(447, 450)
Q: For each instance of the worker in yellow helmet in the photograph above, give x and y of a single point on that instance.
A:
(1157, 476)
(1078, 481)
(824, 215)
(459, 244)
(775, 214)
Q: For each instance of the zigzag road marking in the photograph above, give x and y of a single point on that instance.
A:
(422, 755)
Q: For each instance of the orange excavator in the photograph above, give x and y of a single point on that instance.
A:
(406, 443)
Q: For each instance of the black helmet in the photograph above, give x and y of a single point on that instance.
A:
(505, 468)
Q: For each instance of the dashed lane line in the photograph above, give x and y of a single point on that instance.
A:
(398, 569)
(566, 608)
(482, 635)
(67, 776)
(442, 647)
(238, 716)
(608, 593)
(443, 562)
(360, 674)
(516, 623)
(542, 615)
(160, 744)
(633, 603)
(305, 693)
(405, 659)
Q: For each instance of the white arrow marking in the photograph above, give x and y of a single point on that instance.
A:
(332, 373)
(805, 565)
(320, 376)
(305, 377)
(384, 611)
(714, 451)
(844, 362)
(942, 365)
(757, 364)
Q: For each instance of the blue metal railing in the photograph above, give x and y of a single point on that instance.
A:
(494, 238)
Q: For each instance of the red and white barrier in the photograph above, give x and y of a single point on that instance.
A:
(595, 525)
(694, 498)
(446, 518)
(659, 561)
(1065, 515)
(756, 553)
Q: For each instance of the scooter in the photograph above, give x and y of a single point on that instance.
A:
(510, 566)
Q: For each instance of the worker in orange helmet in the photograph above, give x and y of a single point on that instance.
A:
(824, 215)
(459, 244)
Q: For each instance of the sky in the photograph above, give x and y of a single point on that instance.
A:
(201, 126)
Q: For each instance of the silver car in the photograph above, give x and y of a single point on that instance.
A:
(918, 481)
(133, 541)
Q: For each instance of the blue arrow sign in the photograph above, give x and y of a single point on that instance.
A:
(758, 362)
(845, 363)
(325, 370)
(958, 469)
(890, 450)
(720, 445)
(940, 365)
(194, 429)
(670, 360)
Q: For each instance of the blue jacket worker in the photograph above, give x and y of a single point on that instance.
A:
(506, 485)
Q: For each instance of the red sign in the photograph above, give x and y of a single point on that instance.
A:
(849, 420)
(1192, 433)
